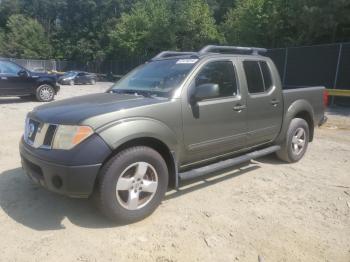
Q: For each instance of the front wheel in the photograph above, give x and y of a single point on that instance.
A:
(132, 184)
(45, 93)
(296, 141)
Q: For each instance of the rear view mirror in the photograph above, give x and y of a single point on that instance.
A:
(205, 91)
(23, 73)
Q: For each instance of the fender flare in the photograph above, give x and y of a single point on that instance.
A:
(117, 133)
(297, 107)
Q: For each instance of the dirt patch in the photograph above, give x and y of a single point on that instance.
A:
(266, 209)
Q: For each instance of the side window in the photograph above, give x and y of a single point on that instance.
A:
(9, 68)
(266, 74)
(254, 77)
(222, 73)
(80, 74)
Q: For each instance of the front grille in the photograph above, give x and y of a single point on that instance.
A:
(50, 135)
(39, 135)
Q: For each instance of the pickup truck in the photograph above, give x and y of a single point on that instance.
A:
(179, 116)
(16, 80)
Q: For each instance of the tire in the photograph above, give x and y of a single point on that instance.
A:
(118, 185)
(45, 93)
(93, 82)
(296, 142)
(71, 82)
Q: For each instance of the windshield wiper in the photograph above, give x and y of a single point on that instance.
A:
(134, 92)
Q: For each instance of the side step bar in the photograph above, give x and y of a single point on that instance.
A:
(205, 170)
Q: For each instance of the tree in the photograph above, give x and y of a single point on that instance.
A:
(25, 38)
(8, 8)
(195, 25)
(254, 22)
(2, 41)
(144, 30)
(220, 8)
(83, 35)
(316, 21)
(155, 25)
(279, 23)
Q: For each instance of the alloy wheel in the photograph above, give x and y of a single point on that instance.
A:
(137, 185)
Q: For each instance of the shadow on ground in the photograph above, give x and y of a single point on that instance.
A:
(338, 111)
(39, 209)
(270, 159)
(15, 100)
(202, 182)
(36, 208)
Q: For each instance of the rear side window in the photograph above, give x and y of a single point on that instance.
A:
(266, 74)
(254, 77)
(258, 76)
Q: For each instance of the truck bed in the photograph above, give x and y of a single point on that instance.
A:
(313, 95)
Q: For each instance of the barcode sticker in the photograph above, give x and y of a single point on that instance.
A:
(186, 61)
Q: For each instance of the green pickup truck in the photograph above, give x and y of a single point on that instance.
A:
(179, 116)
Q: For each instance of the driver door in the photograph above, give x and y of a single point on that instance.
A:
(11, 83)
(213, 127)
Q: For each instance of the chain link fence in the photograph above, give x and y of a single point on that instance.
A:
(36, 65)
(325, 65)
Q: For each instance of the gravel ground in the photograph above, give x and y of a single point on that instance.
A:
(264, 210)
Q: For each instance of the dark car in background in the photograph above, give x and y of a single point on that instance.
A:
(77, 77)
(16, 80)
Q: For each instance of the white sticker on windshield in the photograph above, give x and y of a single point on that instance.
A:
(186, 61)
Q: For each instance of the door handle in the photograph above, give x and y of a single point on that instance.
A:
(274, 102)
(239, 108)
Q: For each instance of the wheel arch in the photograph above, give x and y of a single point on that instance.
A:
(298, 109)
(158, 146)
(308, 118)
(45, 81)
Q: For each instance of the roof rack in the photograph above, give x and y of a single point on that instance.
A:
(172, 53)
(233, 49)
(214, 49)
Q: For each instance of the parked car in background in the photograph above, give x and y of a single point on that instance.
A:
(16, 80)
(77, 77)
(39, 70)
(179, 116)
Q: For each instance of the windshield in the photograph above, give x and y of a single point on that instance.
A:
(70, 74)
(156, 77)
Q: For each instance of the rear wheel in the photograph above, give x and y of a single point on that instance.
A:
(296, 142)
(132, 184)
(45, 93)
(92, 81)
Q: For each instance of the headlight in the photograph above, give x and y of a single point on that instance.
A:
(67, 137)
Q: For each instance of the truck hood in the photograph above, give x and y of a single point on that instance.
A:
(44, 75)
(73, 111)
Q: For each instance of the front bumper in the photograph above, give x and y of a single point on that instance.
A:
(62, 171)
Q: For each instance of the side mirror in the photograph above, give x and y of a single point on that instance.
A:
(23, 73)
(205, 91)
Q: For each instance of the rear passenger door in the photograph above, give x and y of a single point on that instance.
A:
(264, 103)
